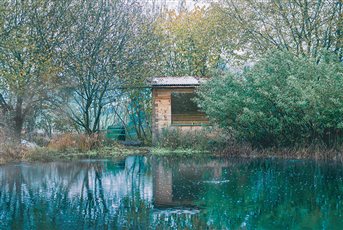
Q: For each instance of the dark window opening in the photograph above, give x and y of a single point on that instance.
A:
(185, 111)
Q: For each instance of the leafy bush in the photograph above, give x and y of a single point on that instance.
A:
(284, 100)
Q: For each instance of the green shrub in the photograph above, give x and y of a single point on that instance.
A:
(284, 100)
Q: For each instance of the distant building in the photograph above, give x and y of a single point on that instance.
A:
(173, 105)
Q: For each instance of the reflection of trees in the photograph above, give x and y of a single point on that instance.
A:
(92, 203)
(270, 194)
(276, 194)
(72, 196)
(19, 204)
(97, 195)
(76, 196)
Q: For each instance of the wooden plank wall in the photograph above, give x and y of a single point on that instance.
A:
(161, 110)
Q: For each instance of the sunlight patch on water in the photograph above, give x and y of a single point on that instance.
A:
(216, 181)
(177, 211)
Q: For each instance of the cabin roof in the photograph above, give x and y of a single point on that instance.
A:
(177, 81)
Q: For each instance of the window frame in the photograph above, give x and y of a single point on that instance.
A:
(203, 121)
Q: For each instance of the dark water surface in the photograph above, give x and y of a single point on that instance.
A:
(165, 193)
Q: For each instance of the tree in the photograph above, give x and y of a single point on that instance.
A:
(30, 41)
(303, 27)
(100, 53)
(192, 42)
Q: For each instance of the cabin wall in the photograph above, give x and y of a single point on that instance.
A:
(161, 111)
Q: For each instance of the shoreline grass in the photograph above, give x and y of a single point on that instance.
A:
(73, 154)
(299, 153)
(44, 154)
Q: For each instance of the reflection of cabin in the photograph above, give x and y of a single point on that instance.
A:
(173, 104)
(182, 184)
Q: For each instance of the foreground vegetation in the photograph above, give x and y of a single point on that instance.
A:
(118, 152)
(172, 144)
(69, 147)
(283, 101)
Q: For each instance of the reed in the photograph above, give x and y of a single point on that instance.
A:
(315, 152)
(80, 142)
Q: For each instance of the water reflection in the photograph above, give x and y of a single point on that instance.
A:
(143, 193)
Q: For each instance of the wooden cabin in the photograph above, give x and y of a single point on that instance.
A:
(173, 105)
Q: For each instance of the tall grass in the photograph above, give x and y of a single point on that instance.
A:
(202, 140)
(80, 142)
(9, 148)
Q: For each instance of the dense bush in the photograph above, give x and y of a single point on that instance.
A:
(284, 100)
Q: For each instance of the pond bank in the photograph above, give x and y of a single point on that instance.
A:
(44, 154)
(314, 153)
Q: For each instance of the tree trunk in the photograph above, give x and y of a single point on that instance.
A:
(18, 118)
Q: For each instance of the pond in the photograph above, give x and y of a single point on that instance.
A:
(172, 193)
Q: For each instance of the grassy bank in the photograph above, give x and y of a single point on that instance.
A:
(68, 147)
(119, 151)
(159, 151)
(75, 147)
(216, 142)
(108, 152)
(45, 154)
(311, 152)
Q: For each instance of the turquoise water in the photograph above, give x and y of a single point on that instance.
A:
(166, 193)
